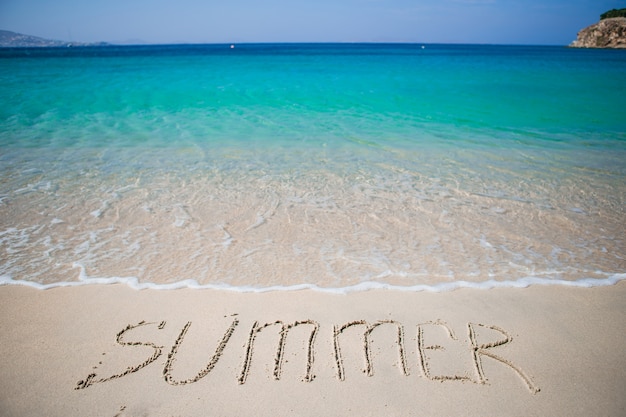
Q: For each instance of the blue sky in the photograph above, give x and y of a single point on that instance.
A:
(553, 22)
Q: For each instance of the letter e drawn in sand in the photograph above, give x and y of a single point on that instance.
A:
(423, 358)
(478, 351)
(91, 378)
(278, 361)
(369, 370)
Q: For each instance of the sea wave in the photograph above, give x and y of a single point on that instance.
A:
(134, 283)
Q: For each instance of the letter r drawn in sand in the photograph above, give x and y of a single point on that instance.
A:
(480, 350)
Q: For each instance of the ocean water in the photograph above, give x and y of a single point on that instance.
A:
(330, 166)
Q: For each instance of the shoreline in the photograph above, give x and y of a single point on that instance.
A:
(191, 284)
(112, 350)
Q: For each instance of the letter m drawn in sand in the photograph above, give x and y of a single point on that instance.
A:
(278, 361)
(338, 330)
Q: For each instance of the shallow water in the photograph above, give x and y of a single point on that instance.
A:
(326, 165)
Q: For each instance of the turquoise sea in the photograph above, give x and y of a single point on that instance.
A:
(338, 166)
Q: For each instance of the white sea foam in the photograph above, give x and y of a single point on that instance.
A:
(133, 282)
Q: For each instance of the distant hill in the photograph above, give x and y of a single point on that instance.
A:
(10, 39)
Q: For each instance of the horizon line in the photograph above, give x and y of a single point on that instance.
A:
(78, 44)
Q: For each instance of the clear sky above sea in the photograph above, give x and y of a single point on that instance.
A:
(552, 22)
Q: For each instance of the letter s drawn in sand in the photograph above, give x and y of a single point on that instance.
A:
(91, 378)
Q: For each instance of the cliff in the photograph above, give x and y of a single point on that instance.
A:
(607, 33)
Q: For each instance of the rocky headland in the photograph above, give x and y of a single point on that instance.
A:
(607, 33)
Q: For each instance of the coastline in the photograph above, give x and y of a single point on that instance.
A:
(112, 350)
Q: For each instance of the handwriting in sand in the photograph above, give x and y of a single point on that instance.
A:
(477, 350)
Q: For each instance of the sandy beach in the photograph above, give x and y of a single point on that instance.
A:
(109, 350)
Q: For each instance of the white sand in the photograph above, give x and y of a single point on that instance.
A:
(516, 352)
